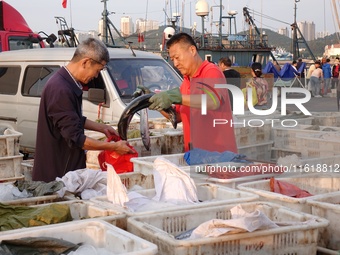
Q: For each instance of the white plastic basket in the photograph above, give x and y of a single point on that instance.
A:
(328, 207)
(295, 238)
(133, 179)
(233, 182)
(27, 168)
(247, 135)
(10, 166)
(173, 142)
(261, 151)
(320, 145)
(9, 143)
(85, 209)
(326, 119)
(209, 194)
(145, 164)
(280, 153)
(155, 145)
(288, 138)
(34, 200)
(97, 233)
(315, 184)
(92, 158)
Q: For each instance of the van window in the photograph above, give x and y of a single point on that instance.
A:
(9, 80)
(35, 79)
(154, 74)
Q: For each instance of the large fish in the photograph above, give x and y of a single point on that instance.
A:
(136, 105)
(144, 128)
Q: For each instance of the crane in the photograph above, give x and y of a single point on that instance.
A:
(251, 23)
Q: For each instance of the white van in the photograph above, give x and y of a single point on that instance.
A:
(24, 73)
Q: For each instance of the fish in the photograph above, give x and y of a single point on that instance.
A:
(136, 105)
(144, 128)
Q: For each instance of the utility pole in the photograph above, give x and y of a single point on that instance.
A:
(105, 26)
(294, 36)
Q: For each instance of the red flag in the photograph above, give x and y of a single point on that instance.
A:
(64, 3)
(140, 37)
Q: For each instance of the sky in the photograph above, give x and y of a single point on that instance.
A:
(83, 15)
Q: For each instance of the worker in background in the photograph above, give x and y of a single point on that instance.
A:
(316, 78)
(327, 75)
(335, 74)
(302, 72)
(232, 76)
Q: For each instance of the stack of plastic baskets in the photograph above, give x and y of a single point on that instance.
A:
(10, 158)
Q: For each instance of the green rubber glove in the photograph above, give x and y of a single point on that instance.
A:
(140, 90)
(165, 99)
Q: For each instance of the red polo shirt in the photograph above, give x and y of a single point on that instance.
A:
(199, 130)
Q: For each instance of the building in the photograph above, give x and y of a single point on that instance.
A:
(307, 29)
(322, 34)
(283, 31)
(126, 26)
(143, 25)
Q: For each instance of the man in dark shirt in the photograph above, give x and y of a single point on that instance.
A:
(298, 65)
(233, 77)
(61, 142)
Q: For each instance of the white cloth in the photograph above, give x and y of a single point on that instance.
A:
(88, 182)
(241, 221)
(116, 191)
(172, 184)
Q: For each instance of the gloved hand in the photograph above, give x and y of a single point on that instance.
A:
(165, 99)
(140, 90)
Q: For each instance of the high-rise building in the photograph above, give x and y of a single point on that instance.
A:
(126, 26)
(284, 31)
(307, 30)
(322, 34)
(143, 25)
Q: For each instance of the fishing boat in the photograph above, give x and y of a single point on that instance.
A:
(242, 48)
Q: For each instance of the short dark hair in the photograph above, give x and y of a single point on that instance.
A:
(226, 61)
(181, 38)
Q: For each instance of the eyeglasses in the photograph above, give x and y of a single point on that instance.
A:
(104, 67)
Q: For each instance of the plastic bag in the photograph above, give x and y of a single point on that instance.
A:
(254, 94)
(116, 191)
(121, 163)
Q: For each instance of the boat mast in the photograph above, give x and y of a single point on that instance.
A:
(296, 39)
(107, 31)
(220, 24)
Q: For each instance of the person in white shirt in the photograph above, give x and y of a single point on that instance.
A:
(315, 79)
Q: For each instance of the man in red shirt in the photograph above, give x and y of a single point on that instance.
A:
(199, 77)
